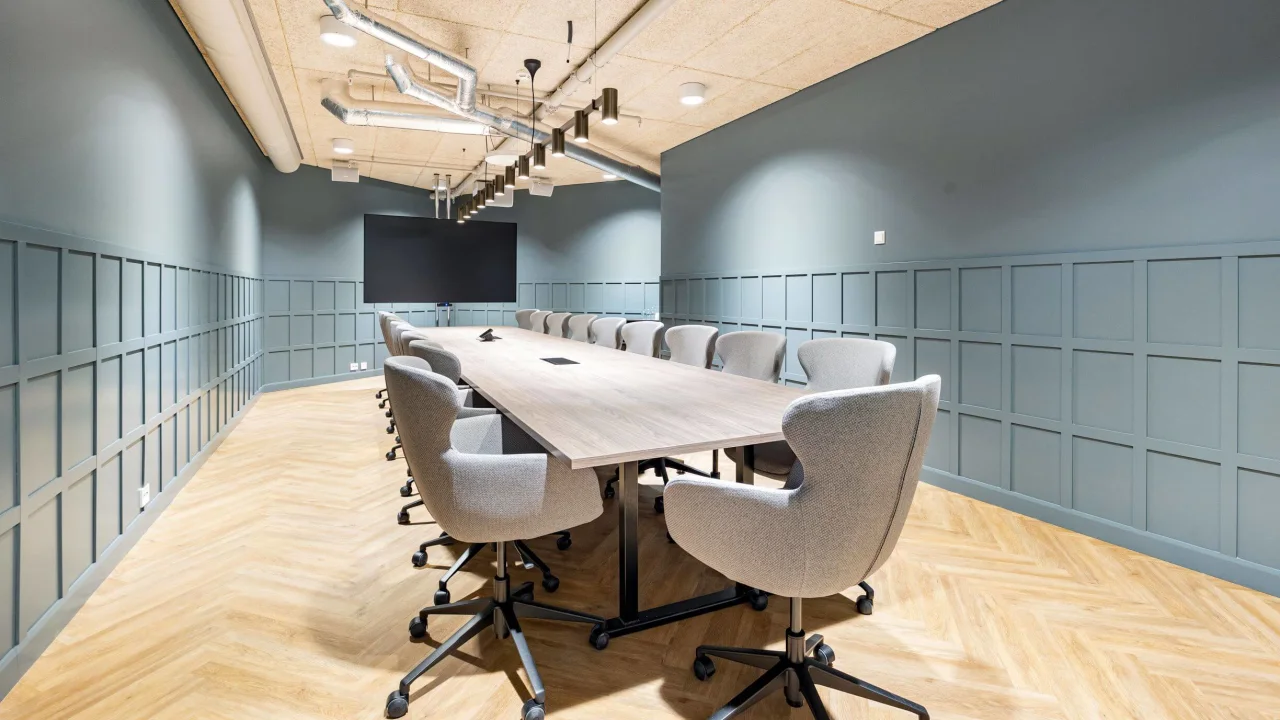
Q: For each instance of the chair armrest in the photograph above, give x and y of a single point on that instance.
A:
(470, 412)
(713, 518)
(514, 497)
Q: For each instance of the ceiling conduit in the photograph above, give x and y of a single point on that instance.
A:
(337, 100)
(464, 101)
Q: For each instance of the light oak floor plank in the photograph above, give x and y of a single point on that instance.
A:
(278, 586)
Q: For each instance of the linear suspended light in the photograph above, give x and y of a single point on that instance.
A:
(609, 109)
(580, 126)
(540, 156)
(522, 167)
(557, 143)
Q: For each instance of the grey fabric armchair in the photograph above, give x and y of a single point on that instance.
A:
(860, 457)
(753, 354)
(607, 332)
(642, 337)
(556, 324)
(579, 327)
(524, 319)
(483, 499)
(538, 321)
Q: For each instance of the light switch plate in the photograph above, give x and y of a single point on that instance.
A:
(879, 240)
(144, 495)
(354, 367)
(364, 366)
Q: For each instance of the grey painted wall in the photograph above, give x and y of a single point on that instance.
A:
(130, 296)
(1032, 126)
(1129, 394)
(587, 248)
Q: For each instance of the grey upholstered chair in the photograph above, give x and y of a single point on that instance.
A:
(556, 324)
(524, 319)
(752, 353)
(444, 363)
(398, 346)
(538, 321)
(689, 345)
(384, 324)
(579, 327)
(483, 499)
(642, 337)
(860, 456)
(607, 332)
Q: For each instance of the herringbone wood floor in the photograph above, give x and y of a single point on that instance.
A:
(278, 586)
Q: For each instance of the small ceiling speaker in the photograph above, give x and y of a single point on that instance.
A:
(542, 187)
(345, 172)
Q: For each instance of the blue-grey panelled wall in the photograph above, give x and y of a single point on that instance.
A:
(315, 329)
(130, 292)
(590, 248)
(1132, 394)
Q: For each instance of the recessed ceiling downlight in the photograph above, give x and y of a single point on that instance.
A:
(693, 93)
(335, 33)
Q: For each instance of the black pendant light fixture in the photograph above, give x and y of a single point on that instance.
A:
(540, 156)
(510, 175)
(581, 126)
(500, 186)
(557, 143)
(522, 167)
(609, 106)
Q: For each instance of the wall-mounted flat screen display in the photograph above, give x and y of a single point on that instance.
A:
(415, 260)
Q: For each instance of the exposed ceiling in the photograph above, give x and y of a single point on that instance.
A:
(748, 53)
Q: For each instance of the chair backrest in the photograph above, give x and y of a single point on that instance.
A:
(538, 321)
(398, 345)
(692, 344)
(845, 363)
(556, 323)
(752, 353)
(607, 332)
(384, 324)
(641, 337)
(524, 319)
(861, 452)
(579, 327)
(441, 361)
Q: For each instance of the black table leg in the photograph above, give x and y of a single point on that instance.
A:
(630, 618)
(746, 465)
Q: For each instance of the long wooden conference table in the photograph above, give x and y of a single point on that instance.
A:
(607, 407)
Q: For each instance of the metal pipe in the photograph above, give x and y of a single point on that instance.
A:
(337, 100)
(399, 36)
(405, 81)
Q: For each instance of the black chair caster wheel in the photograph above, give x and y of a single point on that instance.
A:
(387, 413)
(564, 542)
(402, 517)
(599, 639)
(442, 596)
(525, 594)
(824, 654)
(406, 490)
(703, 668)
(551, 583)
(391, 455)
(658, 506)
(759, 600)
(532, 710)
(397, 705)
(609, 492)
(417, 628)
(865, 605)
(391, 429)
(420, 559)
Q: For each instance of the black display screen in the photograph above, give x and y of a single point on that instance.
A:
(413, 259)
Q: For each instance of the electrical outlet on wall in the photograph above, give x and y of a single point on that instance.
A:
(144, 495)
(354, 367)
(364, 366)
(879, 237)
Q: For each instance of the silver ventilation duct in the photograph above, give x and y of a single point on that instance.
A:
(464, 101)
(397, 35)
(508, 125)
(337, 100)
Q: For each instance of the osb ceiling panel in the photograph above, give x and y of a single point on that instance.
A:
(748, 53)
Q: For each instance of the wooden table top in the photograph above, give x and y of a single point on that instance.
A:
(614, 406)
